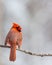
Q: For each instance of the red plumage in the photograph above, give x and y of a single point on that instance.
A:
(14, 38)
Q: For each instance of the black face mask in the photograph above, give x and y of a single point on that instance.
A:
(18, 29)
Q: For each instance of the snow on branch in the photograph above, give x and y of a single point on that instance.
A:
(28, 52)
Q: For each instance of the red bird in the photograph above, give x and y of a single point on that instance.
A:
(14, 38)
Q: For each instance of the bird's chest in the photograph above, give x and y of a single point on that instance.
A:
(14, 36)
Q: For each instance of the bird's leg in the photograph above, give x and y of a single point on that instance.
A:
(5, 43)
(19, 47)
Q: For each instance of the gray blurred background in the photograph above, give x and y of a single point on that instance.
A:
(35, 18)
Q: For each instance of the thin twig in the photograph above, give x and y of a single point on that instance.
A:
(27, 52)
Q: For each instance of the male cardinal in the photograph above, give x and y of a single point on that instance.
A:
(14, 39)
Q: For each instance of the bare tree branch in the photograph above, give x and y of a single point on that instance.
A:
(28, 52)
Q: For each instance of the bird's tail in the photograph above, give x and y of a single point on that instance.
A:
(13, 53)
